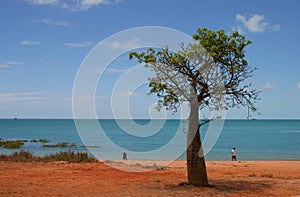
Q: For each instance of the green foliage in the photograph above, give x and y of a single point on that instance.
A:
(12, 144)
(70, 156)
(199, 69)
(21, 156)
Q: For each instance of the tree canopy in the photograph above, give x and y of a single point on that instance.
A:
(214, 65)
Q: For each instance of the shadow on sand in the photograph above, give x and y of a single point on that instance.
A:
(224, 187)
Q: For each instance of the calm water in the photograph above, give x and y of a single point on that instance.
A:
(254, 140)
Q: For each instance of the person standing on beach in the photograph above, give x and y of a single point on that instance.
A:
(124, 155)
(233, 154)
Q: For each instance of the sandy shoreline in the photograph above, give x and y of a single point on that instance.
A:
(182, 163)
(242, 178)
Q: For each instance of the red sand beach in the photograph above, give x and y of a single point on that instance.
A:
(244, 178)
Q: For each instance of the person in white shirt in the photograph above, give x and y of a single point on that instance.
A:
(233, 154)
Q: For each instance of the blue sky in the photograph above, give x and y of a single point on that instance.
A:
(43, 43)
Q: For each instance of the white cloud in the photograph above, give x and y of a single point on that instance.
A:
(79, 44)
(21, 96)
(298, 84)
(84, 5)
(87, 4)
(59, 23)
(16, 63)
(88, 98)
(10, 64)
(43, 2)
(276, 27)
(42, 96)
(255, 24)
(48, 61)
(268, 85)
(74, 5)
(29, 42)
(115, 70)
(130, 44)
(128, 93)
(4, 65)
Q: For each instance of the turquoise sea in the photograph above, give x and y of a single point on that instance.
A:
(254, 140)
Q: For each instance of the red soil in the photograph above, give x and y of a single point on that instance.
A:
(246, 178)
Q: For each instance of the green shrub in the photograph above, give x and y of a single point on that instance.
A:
(20, 156)
(69, 156)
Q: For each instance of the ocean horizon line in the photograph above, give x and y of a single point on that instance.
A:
(62, 118)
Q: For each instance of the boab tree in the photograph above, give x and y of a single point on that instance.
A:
(212, 72)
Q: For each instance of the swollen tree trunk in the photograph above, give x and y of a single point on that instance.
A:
(196, 168)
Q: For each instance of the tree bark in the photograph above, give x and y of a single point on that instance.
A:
(196, 167)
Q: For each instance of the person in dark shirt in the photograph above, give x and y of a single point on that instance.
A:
(124, 155)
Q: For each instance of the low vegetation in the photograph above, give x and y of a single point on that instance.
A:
(17, 144)
(44, 140)
(61, 145)
(11, 144)
(69, 156)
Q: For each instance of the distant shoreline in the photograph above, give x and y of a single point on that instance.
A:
(148, 161)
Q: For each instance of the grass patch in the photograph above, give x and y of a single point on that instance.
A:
(18, 156)
(12, 144)
(69, 156)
